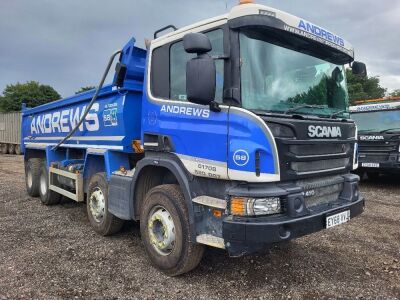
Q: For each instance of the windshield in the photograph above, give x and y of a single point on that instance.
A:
(377, 121)
(277, 79)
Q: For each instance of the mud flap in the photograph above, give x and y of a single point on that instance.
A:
(120, 197)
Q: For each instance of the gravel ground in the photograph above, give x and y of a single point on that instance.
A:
(51, 252)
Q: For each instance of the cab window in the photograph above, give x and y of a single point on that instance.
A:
(179, 58)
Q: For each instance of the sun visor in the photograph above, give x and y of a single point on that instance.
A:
(293, 26)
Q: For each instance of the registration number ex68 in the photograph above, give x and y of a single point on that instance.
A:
(337, 219)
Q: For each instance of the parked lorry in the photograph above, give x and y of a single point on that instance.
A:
(10, 133)
(210, 136)
(378, 124)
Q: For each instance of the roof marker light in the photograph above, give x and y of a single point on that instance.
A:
(245, 2)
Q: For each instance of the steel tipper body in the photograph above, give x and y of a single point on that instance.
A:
(223, 142)
(379, 136)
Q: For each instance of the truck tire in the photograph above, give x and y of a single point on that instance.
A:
(32, 173)
(4, 148)
(17, 149)
(11, 148)
(103, 222)
(164, 227)
(47, 196)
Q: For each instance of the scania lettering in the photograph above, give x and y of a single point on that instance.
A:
(324, 131)
(371, 138)
(232, 133)
(378, 124)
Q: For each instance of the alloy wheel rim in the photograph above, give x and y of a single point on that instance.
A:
(161, 230)
(97, 204)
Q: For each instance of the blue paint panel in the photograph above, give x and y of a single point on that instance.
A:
(54, 156)
(199, 136)
(246, 137)
(113, 162)
(113, 122)
(124, 106)
(94, 163)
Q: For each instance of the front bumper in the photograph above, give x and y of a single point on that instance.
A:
(248, 235)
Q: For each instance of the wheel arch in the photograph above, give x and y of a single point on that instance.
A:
(34, 153)
(171, 171)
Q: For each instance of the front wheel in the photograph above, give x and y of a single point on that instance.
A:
(102, 221)
(165, 231)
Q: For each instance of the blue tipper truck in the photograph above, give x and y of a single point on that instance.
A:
(233, 133)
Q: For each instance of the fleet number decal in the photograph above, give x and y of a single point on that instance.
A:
(241, 157)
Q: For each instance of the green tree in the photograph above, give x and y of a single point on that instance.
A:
(85, 89)
(395, 93)
(315, 95)
(362, 88)
(32, 93)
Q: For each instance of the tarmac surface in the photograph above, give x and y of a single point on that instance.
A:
(52, 252)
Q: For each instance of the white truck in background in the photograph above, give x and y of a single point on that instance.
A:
(10, 133)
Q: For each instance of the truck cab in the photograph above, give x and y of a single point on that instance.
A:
(233, 133)
(378, 123)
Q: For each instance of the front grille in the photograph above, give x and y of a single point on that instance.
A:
(374, 158)
(323, 149)
(303, 156)
(321, 191)
(376, 151)
(308, 167)
(378, 147)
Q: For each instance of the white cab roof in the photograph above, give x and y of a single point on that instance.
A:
(292, 24)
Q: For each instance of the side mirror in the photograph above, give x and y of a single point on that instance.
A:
(200, 71)
(196, 43)
(359, 68)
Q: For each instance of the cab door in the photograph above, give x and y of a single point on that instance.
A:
(196, 135)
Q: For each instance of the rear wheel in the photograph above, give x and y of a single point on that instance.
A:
(165, 231)
(4, 148)
(47, 196)
(11, 148)
(32, 174)
(102, 221)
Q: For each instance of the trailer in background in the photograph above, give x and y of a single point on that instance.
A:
(10, 133)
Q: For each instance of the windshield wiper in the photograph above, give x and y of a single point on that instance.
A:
(293, 109)
(337, 113)
(390, 129)
(366, 130)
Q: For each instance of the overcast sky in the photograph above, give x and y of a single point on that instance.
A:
(66, 44)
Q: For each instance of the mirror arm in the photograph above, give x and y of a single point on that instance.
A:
(214, 106)
(218, 57)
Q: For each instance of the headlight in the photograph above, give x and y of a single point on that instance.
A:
(279, 130)
(241, 206)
